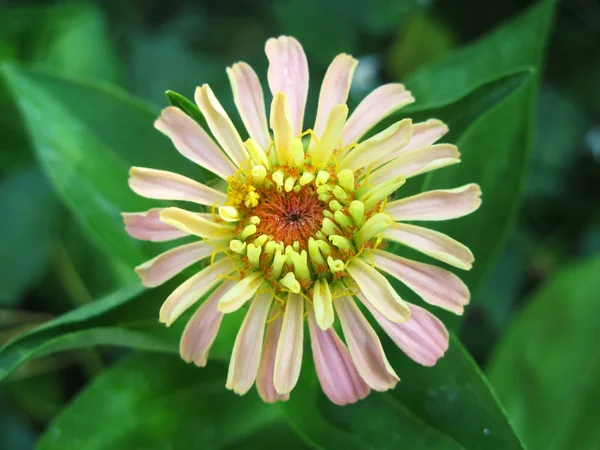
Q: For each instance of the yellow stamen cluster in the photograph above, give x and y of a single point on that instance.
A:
(297, 224)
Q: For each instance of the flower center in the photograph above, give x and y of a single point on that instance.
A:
(290, 217)
(300, 222)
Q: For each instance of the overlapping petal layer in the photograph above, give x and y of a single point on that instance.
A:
(299, 227)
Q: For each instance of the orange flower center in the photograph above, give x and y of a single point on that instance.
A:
(290, 216)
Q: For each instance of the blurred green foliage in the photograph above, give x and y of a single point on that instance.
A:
(80, 85)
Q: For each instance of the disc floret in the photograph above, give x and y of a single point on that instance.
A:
(297, 224)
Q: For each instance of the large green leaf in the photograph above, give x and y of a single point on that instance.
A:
(122, 408)
(495, 154)
(71, 37)
(515, 47)
(447, 406)
(86, 138)
(495, 145)
(29, 218)
(125, 318)
(157, 402)
(546, 369)
(74, 39)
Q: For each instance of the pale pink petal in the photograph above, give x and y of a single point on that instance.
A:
(264, 380)
(247, 349)
(147, 226)
(433, 284)
(288, 73)
(168, 264)
(192, 141)
(201, 331)
(221, 125)
(243, 291)
(283, 131)
(423, 338)
(431, 243)
(329, 139)
(202, 225)
(380, 148)
(335, 88)
(250, 102)
(378, 290)
(163, 185)
(365, 347)
(193, 289)
(437, 205)
(337, 373)
(426, 133)
(416, 162)
(288, 359)
(375, 107)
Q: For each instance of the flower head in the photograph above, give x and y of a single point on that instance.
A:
(299, 230)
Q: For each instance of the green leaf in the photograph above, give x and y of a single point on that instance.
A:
(447, 406)
(126, 318)
(515, 47)
(158, 402)
(420, 40)
(546, 369)
(495, 155)
(74, 39)
(187, 106)
(495, 145)
(31, 344)
(29, 218)
(87, 151)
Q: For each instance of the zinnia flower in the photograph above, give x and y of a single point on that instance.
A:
(299, 230)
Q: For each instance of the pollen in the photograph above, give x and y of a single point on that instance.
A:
(290, 217)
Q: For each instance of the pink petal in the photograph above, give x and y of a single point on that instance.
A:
(335, 88)
(365, 347)
(423, 338)
(264, 380)
(200, 224)
(221, 125)
(437, 205)
(250, 102)
(146, 226)
(379, 149)
(163, 185)
(245, 357)
(416, 162)
(201, 331)
(166, 265)
(375, 107)
(192, 141)
(288, 73)
(433, 284)
(194, 289)
(336, 371)
(288, 359)
(243, 291)
(426, 133)
(431, 243)
(378, 290)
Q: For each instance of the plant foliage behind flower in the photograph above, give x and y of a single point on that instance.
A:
(301, 228)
